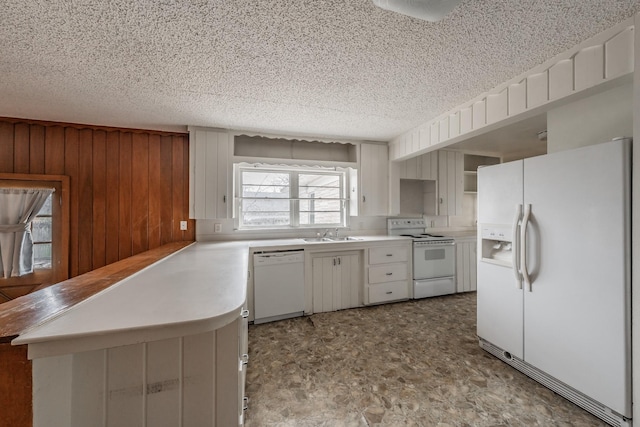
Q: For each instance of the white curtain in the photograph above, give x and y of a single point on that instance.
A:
(18, 207)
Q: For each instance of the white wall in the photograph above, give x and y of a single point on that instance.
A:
(469, 213)
(597, 118)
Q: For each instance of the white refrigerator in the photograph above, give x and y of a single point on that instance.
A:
(554, 272)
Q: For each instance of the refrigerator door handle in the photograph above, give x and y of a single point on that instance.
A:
(523, 247)
(514, 246)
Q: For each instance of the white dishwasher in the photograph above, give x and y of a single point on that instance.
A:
(278, 285)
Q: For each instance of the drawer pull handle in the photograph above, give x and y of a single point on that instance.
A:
(389, 292)
(389, 274)
(245, 359)
(389, 254)
(245, 403)
(244, 313)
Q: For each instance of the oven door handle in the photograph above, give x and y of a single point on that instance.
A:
(432, 245)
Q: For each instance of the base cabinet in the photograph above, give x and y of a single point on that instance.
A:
(336, 281)
(466, 264)
(195, 380)
(386, 292)
(388, 274)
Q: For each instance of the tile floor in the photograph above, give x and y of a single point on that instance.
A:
(414, 363)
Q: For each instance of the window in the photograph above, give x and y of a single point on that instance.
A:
(49, 232)
(290, 198)
(42, 235)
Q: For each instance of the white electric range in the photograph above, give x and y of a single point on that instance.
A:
(434, 257)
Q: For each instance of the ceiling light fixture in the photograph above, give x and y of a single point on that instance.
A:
(428, 10)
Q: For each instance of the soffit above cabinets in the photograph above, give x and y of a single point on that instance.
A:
(515, 141)
(295, 149)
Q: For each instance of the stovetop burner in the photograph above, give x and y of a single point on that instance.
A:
(426, 236)
(414, 228)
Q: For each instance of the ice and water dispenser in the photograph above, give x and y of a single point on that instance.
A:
(497, 244)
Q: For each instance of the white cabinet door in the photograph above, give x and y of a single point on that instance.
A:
(350, 282)
(428, 166)
(466, 265)
(420, 167)
(323, 282)
(450, 182)
(243, 349)
(337, 281)
(209, 170)
(227, 384)
(374, 179)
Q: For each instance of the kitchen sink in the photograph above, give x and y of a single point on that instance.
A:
(330, 239)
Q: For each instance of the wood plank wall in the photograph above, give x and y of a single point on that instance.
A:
(129, 188)
(15, 386)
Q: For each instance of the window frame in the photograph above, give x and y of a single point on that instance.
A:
(60, 233)
(50, 242)
(294, 196)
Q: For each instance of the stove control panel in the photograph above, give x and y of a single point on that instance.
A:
(399, 223)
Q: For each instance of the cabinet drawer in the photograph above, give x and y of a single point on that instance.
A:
(388, 292)
(388, 273)
(384, 255)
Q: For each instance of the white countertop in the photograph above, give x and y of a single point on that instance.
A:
(301, 243)
(197, 289)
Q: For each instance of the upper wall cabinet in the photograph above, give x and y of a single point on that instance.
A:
(421, 167)
(374, 179)
(209, 172)
(450, 182)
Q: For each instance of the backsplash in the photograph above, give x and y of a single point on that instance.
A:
(206, 230)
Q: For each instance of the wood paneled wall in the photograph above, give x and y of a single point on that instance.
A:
(15, 386)
(129, 188)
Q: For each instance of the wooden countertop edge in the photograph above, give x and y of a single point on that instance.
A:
(22, 314)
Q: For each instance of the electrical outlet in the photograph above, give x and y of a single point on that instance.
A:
(217, 228)
(183, 225)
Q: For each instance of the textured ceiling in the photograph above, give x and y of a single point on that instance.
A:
(308, 67)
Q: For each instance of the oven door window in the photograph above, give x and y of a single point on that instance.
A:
(430, 262)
